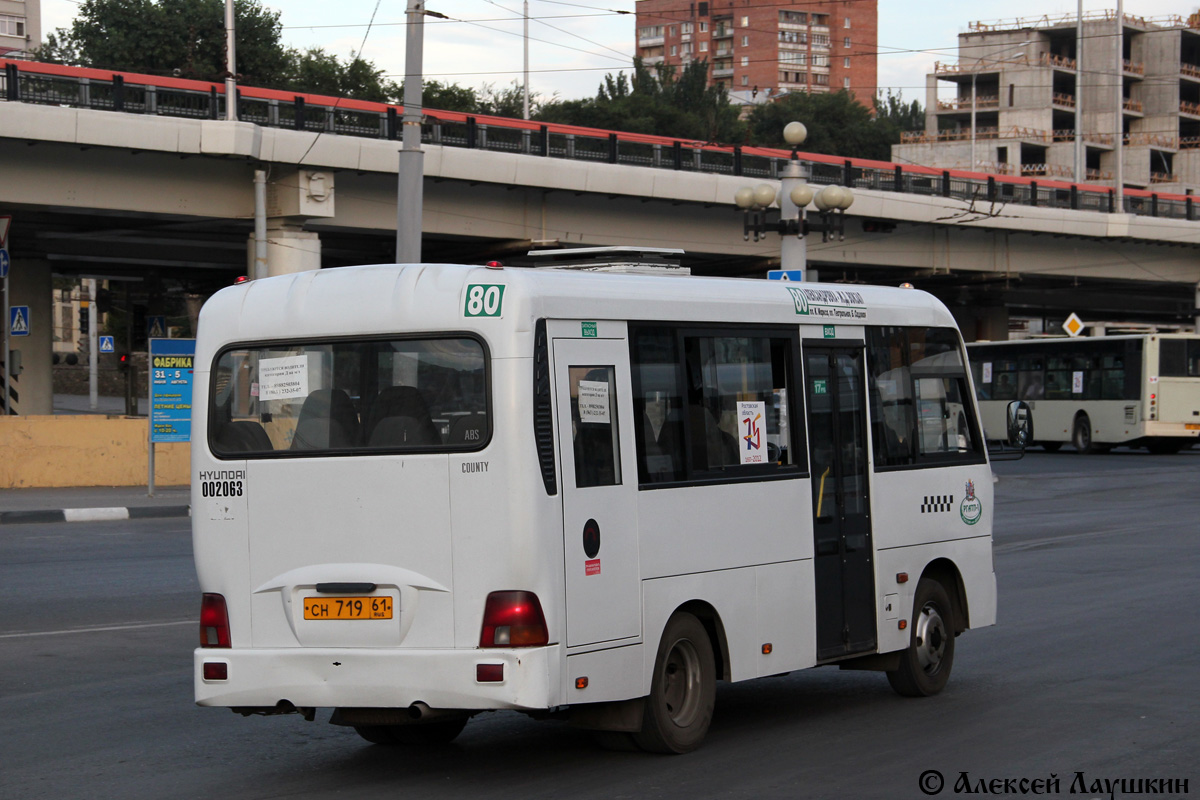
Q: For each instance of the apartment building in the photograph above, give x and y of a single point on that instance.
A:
(1009, 104)
(766, 47)
(20, 27)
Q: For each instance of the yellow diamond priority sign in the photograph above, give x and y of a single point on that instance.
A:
(1073, 326)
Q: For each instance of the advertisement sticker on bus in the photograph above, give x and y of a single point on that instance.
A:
(752, 417)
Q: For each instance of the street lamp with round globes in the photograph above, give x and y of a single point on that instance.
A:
(792, 198)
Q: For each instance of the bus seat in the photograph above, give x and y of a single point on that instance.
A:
(403, 432)
(242, 436)
(327, 420)
(406, 413)
(468, 429)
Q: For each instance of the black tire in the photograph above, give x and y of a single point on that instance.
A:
(683, 690)
(925, 665)
(1052, 447)
(421, 733)
(1081, 435)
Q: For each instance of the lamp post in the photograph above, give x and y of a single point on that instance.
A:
(792, 198)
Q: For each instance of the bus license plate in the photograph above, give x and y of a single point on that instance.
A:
(352, 608)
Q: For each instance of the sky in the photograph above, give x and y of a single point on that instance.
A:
(574, 43)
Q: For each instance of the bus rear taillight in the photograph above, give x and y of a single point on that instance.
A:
(513, 619)
(214, 621)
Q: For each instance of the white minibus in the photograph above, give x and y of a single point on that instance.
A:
(423, 492)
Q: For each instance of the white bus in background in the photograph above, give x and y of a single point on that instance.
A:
(422, 492)
(1095, 392)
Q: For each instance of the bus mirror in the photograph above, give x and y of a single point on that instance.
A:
(1020, 424)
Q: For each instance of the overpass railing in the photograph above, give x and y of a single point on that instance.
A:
(79, 87)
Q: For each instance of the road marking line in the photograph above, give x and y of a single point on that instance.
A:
(127, 627)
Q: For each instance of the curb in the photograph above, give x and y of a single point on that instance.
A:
(92, 514)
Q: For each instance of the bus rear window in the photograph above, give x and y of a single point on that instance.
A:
(1179, 358)
(349, 397)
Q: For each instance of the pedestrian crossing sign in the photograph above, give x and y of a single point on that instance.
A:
(106, 344)
(18, 321)
(156, 327)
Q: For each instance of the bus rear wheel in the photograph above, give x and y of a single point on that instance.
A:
(925, 665)
(1081, 436)
(683, 689)
(440, 732)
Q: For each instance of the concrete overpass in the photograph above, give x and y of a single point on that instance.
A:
(170, 200)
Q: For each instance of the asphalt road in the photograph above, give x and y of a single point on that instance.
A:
(1091, 669)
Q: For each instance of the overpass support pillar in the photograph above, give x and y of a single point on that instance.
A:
(982, 323)
(290, 249)
(292, 198)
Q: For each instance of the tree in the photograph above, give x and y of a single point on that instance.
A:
(837, 125)
(318, 72)
(185, 38)
(663, 102)
(446, 97)
(904, 117)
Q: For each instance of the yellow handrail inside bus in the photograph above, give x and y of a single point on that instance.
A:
(821, 491)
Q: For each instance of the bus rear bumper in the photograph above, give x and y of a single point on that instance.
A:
(384, 678)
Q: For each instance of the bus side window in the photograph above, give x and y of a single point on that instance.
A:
(892, 420)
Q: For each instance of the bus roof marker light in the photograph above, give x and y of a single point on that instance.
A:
(494, 265)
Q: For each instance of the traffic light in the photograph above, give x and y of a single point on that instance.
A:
(83, 319)
(123, 362)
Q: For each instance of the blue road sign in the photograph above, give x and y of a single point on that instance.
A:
(106, 345)
(785, 275)
(156, 327)
(18, 321)
(3, 262)
(171, 389)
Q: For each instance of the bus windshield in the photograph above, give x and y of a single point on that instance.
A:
(408, 394)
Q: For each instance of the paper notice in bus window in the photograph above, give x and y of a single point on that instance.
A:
(593, 402)
(987, 372)
(752, 425)
(1077, 383)
(283, 378)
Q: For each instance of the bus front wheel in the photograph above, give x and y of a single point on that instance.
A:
(925, 665)
(683, 689)
(1081, 437)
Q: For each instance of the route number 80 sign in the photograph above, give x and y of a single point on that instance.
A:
(484, 300)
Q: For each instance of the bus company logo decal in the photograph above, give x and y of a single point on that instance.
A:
(828, 303)
(971, 509)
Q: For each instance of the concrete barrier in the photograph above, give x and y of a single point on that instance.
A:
(85, 450)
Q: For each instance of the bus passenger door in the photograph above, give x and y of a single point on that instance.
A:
(599, 479)
(842, 565)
